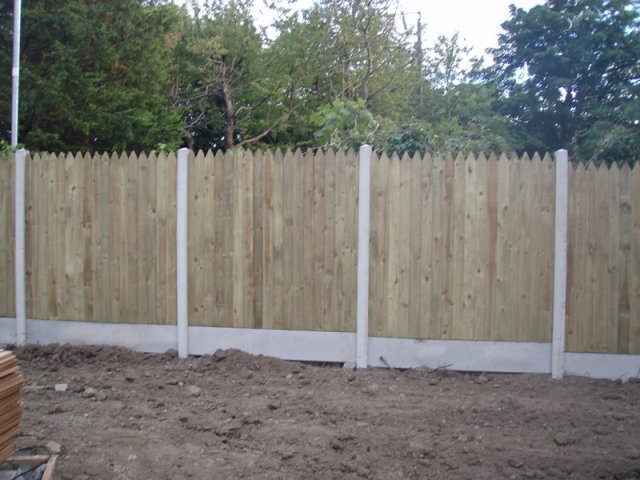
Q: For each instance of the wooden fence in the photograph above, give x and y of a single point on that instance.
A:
(603, 294)
(461, 248)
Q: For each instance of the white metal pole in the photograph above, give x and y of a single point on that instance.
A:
(15, 71)
(182, 291)
(21, 309)
(362, 305)
(560, 263)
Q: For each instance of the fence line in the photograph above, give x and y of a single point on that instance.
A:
(460, 248)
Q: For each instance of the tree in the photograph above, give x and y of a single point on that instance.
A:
(95, 75)
(334, 57)
(456, 111)
(566, 66)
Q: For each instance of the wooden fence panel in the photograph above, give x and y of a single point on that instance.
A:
(100, 237)
(463, 251)
(603, 291)
(7, 244)
(271, 240)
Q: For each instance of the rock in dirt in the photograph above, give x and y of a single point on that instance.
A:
(195, 391)
(515, 463)
(563, 439)
(220, 355)
(89, 392)
(481, 379)
(61, 387)
(54, 447)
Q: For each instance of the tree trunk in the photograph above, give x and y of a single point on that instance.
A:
(230, 113)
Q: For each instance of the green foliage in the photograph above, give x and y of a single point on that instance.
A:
(564, 67)
(411, 139)
(345, 124)
(95, 75)
(146, 74)
(4, 146)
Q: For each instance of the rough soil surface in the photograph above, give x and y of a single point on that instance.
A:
(128, 415)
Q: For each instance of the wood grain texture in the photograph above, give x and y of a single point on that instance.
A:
(461, 247)
(100, 238)
(7, 244)
(603, 307)
(464, 251)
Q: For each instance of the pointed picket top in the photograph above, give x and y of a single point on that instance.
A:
(525, 157)
(309, 154)
(199, 156)
(288, 155)
(482, 157)
(247, 156)
(493, 157)
(383, 157)
(331, 154)
(503, 157)
(218, 156)
(547, 158)
(134, 157)
(278, 155)
(394, 157)
(267, 156)
(579, 166)
(341, 156)
(346, 151)
(450, 158)
(318, 155)
(536, 157)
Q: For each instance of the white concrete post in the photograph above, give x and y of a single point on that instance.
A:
(15, 71)
(560, 264)
(182, 200)
(362, 306)
(21, 307)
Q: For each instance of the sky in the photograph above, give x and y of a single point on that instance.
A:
(477, 21)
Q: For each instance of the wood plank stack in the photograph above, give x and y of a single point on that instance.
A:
(11, 384)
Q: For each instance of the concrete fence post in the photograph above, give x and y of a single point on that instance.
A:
(362, 305)
(21, 306)
(560, 264)
(182, 291)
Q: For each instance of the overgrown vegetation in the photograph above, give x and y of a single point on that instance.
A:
(134, 74)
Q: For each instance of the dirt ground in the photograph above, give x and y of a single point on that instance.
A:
(128, 415)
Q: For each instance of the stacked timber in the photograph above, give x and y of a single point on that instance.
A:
(11, 384)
